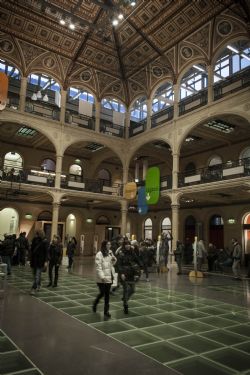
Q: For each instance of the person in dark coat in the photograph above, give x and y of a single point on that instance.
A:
(55, 255)
(71, 248)
(129, 269)
(7, 251)
(179, 252)
(38, 258)
(22, 248)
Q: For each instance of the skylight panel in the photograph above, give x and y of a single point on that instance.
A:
(220, 126)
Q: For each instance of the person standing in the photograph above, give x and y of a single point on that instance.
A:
(55, 255)
(22, 248)
(38, 258)
(104, 262)
(166, 238)
(129, 269)
(211, 256)
(7, 251)
(237, 253)
(201, 254)
(179, 252)
(71, 248)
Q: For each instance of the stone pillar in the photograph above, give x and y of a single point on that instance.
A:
(210, 84)
(55, 215)
(175, 170)
(149, 113)
(137, 171)
(63, 105)
(124, 211)
(22, 94)
(144, 168)
(97, 116)
(125, 175)
(175, 224)
(127, 123)
(58, 171)
(176, 89)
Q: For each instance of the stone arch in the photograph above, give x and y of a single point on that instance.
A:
(218, 51)
(46, 72)
(108, 96)
(188, 66)
(156, 86)
(8, 60)
(83, 87)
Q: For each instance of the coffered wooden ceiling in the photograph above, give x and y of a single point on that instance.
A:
(155, 41)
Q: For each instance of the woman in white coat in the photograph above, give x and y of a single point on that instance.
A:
(104, 262)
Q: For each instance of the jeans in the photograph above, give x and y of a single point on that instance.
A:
(128, 290)
(7, 259)
(51, 266)
(179, 261)
(104, 290)
(37, 278)
(70, 262)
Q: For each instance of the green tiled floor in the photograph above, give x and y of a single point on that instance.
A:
(12, 360)
(190, 334)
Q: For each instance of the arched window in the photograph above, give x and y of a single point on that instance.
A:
(216, 231)
(75, 170)
(139, 110)
(12, 160)
(163, 98)
(245, 154)
(48, 165)
(45, 216)
(165, 225)
(148, 229)
(105, 177)
(214, 162)
(234, 58)
(9, 221)
(70, 226)
(102, 220)
(190, 169)
(113, 105)
(193, 81)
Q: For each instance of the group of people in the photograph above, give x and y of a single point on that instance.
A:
(13, 250)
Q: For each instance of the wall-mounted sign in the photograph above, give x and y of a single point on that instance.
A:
(153, 185)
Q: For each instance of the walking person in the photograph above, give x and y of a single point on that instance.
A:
(71, 248)
(237, 253)
(7, 251)
(166, 238)
(129, 268)
(55, 255)
(201, 254)
(22, 248)
(179, 253)
(38, 258)
(104, 262)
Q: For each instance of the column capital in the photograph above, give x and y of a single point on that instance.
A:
(175, 206)
(56, 204)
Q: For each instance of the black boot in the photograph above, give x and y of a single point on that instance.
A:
(125, 309)
(106, 311)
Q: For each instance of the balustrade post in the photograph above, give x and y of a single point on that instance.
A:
(23, 92)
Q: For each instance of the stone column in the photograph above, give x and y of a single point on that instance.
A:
(22, 94)
(58, 171)
(137, 171)
(97, 116)
(63, 105)
(175, 224)
(127, 123)
(176, 89)
(55, 215)
(125, 175)
(144, 168)
(124, 211)
(175, 170)
(149, 113)
(210, 84)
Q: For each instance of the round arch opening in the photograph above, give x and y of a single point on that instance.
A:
(148, 229)
(13, 161)
(70, 226)
(9, 221)
(216, 231)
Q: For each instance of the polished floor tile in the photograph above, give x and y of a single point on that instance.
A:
(164, 352)
(135, 338)
(165, 331)
(196, 344)
(198, 365)
(231, 358)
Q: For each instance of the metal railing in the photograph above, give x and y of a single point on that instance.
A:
(162, 116)
(193, 102)
(72, 117)
(43, 109)
(229, 170)
(232, 84)
(166, 182)
(137, 127)
(28, 176)
(109, 128)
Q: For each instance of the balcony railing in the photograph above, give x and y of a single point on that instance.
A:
(43, 109)
(229, 170)
(231, 84)
(137, 127)
(109, 128)
(166, 182)
(80, 120)
(28, 176)
(193, 102)
(162, 116)
(90, 185)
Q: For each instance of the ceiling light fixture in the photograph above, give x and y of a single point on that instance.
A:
(120, 16)
(115, 22)
(72, 26)
(133, 3)
(62, 21)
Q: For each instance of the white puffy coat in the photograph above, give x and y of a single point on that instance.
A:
(104, 267)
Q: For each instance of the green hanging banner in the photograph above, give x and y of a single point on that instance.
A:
(152, 185)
